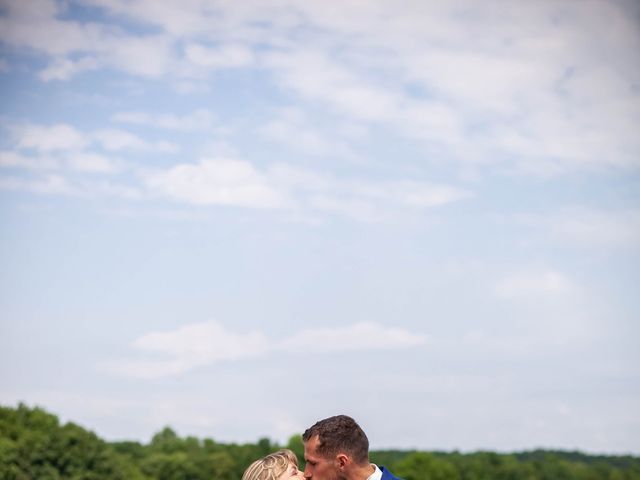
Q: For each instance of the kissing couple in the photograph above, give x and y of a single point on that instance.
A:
(335, 448)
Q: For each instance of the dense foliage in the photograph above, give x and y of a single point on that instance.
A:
(34, 445)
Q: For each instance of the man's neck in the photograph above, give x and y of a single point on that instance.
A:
(362, 472)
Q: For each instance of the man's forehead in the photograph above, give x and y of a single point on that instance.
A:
(310, 447)
(312, 442)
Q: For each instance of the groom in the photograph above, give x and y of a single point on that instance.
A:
(336, 448)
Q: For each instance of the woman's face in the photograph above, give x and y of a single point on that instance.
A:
(291, 473)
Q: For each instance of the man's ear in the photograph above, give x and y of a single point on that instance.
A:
(343, 460)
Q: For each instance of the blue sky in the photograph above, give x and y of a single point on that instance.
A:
(237, 218)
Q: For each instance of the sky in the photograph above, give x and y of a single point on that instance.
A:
(238, 218)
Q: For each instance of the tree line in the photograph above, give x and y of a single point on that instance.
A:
(34, 445)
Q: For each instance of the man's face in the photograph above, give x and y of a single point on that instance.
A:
(317, 466)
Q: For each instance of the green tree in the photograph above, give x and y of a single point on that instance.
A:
(296, 445)
(222, 466)
(425, 466)
(35, 446)
(166, 441)
(169, 466)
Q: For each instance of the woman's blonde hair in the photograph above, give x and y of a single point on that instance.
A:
(271, 466)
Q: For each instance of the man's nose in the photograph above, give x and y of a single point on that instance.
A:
(307, 471)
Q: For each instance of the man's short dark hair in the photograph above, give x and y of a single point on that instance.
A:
(339, 434)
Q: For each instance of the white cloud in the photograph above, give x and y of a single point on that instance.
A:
(372, 202)
(75, 160)
(227, 56)
(353, 208)
(65, 68)
(179, 18)
(37, 26)
(530, 87)
(48, 138)
(97, 188)
(617, 228)
(62, 147)
(231, 182)
(587, 227)
(189, 87)
(47, 185)
(198, 120)
(60, 138)
(542, 104)
(411, 194)
(292, 128)
(316, 76)
(359, 336)
(56, 184)
(149, 56)
(534, 284)
(115, 139)
(219, 181)
(189, 347)
(292, 177)
(91, 162)
(34, 25)
(367, 201)
(206, 343)
(9, 159)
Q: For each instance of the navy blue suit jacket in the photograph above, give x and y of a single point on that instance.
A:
(387, 475)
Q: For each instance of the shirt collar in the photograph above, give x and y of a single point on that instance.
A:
(376, 475)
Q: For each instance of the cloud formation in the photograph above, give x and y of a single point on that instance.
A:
(586, 227)
(536, 284)
(63, 137)
(218, 181)
(531, 89)
(207, 343)
(232, 182)
(201, 119)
